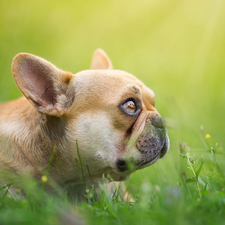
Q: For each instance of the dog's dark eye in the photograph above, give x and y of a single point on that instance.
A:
(131, 106)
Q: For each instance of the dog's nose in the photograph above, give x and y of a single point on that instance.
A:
(159, 122)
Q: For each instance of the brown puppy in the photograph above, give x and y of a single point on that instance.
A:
(108, 113)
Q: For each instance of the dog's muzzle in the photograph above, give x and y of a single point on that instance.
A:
(153, 143)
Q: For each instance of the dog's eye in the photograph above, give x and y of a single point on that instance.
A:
(130, 106)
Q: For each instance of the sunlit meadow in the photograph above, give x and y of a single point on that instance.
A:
(177, 48)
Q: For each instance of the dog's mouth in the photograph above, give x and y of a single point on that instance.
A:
(146, 160)
(144, 163)
(131, 166)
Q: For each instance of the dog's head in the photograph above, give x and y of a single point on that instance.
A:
(109, 113)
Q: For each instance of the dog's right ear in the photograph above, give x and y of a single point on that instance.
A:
(47, 88)
(100, 60)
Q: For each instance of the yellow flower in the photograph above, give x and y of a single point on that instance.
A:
(44, 179)
(207, 136)
(9, 196)
(220, 149)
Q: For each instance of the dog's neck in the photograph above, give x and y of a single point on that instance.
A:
(23, 131)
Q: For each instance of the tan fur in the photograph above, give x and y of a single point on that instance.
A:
(61, 110)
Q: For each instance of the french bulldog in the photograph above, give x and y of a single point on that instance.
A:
(99, 119)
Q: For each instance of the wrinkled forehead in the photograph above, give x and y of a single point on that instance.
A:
(112, 85)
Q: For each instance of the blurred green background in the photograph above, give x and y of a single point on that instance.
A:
(176, 47)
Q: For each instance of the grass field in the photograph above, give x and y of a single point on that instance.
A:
(177, 48)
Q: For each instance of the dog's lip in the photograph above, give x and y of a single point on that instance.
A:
(143, 164)
(139, 165)
(164, 149)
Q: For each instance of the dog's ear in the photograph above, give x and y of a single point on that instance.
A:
(48, 89)
(100, 60)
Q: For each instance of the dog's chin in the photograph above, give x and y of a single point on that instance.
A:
(118, 176)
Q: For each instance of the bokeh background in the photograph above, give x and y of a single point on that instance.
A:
(176, 47)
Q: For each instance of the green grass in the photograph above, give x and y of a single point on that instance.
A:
(197, 197)
(176, 47)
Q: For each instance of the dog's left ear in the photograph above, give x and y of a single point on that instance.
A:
(48, 88)
(100, 60)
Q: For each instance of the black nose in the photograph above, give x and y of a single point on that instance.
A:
(159, 122)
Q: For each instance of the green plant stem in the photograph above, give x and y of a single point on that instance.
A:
(195, 175)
